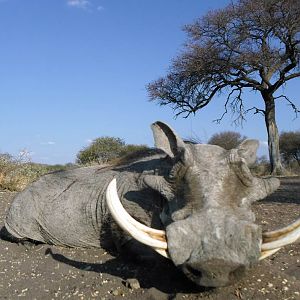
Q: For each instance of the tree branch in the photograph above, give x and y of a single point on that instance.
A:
(294, 107)
(236, 106)
(256, 111)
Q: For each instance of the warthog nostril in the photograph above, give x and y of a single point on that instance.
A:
(213, 273)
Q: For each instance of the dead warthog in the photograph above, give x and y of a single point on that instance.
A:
(198, 197)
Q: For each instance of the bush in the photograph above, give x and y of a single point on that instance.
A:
(227, 139)
(290, 147)
(106, 149)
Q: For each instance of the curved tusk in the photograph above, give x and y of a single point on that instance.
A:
(283, 240)
(279, 238)
(156, 233)
(144, 234)
(265, 254)
(162, 252)
(274, 235)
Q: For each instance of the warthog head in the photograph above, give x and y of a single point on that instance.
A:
(209, 227)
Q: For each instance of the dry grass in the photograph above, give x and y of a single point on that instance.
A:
(17, 172)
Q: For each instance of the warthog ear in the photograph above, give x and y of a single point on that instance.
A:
(247, 150)
(166, 139)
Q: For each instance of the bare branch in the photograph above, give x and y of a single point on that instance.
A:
(294, 107)
(249, 44)
(236, 106)
(256, 111)
(218, 121)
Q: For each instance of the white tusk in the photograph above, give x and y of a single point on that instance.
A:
(117, 204)
(283, 240)
(162, 252)
(265, 254)
(134, 228)
(273, 235)
(274, 240)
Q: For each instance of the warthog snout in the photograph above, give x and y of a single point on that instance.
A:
(212, 248)
(214, 272)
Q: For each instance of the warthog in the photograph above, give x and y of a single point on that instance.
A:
(198, 197)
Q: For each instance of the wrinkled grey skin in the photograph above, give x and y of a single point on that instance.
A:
(200, 194)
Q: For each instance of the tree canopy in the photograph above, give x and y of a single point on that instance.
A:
(250, 44)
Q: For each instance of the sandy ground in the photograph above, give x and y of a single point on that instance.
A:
(50, 272)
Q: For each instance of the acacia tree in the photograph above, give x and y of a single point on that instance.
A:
(249, 45)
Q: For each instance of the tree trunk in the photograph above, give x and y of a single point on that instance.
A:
(273, 136)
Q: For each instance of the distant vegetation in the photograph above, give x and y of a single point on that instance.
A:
(289, 146)
(290, 149)
(226, 139)
(16, 172)
(105, 150)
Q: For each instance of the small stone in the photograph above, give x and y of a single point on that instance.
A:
(115, 292)
(132, 283)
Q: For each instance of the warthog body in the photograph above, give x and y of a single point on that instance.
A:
(199, 194)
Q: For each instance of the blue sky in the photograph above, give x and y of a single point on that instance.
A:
(72, 71)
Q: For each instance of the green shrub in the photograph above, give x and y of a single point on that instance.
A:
(227, 139)
(100, 151)
(106, 149)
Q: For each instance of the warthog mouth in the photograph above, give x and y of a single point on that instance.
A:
(272, 241)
